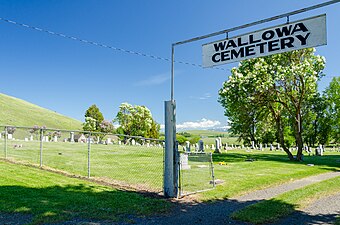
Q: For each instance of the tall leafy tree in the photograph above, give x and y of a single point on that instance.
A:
(332, 95)
(94, 113)
(278, 85)
(136, 121)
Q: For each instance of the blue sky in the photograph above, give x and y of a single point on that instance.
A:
(69, 76)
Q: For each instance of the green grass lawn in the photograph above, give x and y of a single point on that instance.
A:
(269, 168)
(51, 197)
(142, 167)
(128, 165)
(273, 209)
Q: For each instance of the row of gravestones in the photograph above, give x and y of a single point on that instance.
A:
(72, 139)
(199, 147)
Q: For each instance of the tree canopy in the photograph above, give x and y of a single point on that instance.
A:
(97, 117)
(266, 95)
(137, 121)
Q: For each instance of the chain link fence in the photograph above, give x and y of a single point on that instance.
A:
(196, 173)
(126, 161)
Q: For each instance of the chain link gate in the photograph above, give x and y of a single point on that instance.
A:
(196, 173)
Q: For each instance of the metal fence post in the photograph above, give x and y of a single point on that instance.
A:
(212, 170)
(5, 144)
(88, 156)
(170, 178)
(41, 146)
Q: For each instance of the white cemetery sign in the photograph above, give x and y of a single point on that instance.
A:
(307, 33)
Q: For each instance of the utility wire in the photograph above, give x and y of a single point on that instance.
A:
(101, 45)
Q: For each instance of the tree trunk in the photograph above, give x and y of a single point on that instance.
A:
(281, 138)
(298, 137)
(277, 117)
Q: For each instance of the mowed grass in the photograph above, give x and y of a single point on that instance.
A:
(243, 172)
(50, 197)
(271, 210)
(128, 165)
(143, 167)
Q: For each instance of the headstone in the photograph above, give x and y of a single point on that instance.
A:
(252, 145)
(26, 139)
(271, 147)
(213, 147)
(119, 142)
(108, 141)
(201, 146)
(206, 146)
(55, 139)
(31, 138)
(133, 142)
(217, 144)
(148, 145)
(187, 146)
(220, 141)
(46, 139)
(261, 149)
(321, 150)
(196, 147)
(71, 136)
(278, 146)
(184, 162)
(242, 146)
(265, 145)
(9, 136)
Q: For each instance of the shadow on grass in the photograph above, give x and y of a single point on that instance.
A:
(221, 211)
(79, 204)
(279, 212)
(59, 203)
(331, 162)
(267, 211)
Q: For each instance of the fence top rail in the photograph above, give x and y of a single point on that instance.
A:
(83, 131)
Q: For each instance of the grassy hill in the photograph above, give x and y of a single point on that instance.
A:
(17, 112)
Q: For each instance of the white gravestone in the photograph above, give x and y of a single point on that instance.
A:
(71, 136)
(133, 142)
(55, 139)
(184, 162)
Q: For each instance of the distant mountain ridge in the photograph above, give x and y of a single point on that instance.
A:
(17, 112)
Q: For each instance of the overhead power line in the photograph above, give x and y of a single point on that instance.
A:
(100, 45)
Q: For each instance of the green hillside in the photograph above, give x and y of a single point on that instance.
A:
(17, 112)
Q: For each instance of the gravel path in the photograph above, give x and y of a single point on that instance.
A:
(323, 211)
